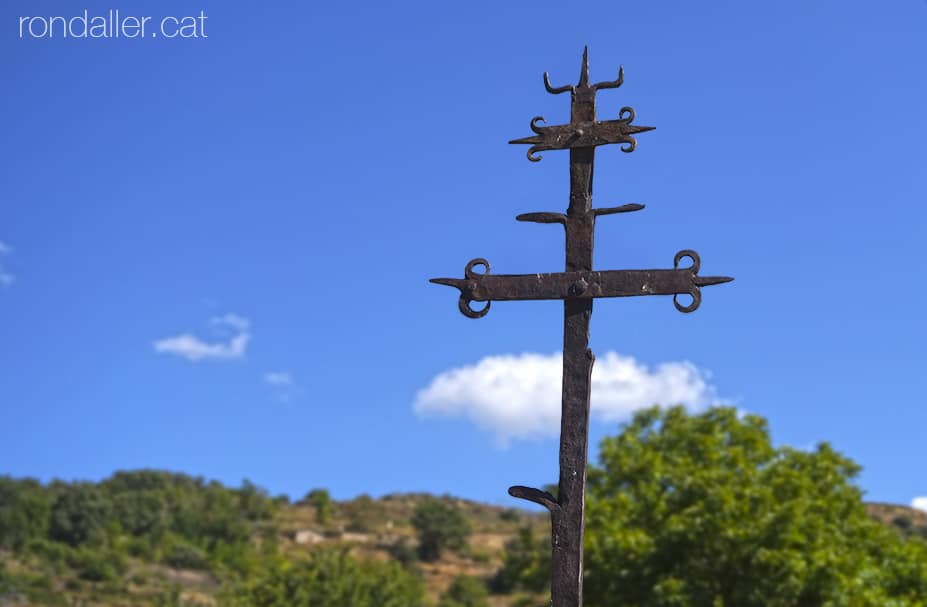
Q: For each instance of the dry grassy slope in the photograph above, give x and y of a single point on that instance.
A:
(373, 526)
(887, 513)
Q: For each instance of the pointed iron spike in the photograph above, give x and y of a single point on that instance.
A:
(584, 71)
(633, 128)
(457, 283)
(532, 140)
(705, 281)
(542, 217)
(625, 208)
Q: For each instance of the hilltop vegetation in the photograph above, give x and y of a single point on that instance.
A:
(151, 537)
(687, 510)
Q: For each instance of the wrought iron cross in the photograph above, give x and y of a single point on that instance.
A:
(577, 287)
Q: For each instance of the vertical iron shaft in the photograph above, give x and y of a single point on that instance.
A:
(567, 524)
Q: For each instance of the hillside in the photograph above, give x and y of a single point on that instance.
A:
(907, 520)
(157, 538)
(164, 539)
(376, 527)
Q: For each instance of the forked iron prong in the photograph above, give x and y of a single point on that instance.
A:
(559, 89)
(611, 84)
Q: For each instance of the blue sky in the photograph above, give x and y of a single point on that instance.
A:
(216, 251)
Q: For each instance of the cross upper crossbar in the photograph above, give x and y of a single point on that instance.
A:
(583, 134)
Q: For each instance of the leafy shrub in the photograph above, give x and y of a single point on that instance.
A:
(403, 553)
(185, 556)
(903, 522)
(331, 578)
(51, 553)
(525, 565)
(465, 591)
(510, 515)
(79, 514)
(142, 512)
(439, 526)
(24, 512)
(321, 500)
(97, 565)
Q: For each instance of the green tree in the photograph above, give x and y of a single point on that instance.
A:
(439, 526)
(465, 591)
(525, 564)
(24, 512)
(702, 511)
(321, 500)
(184, 556)
(79, 514)
(331, 578)
(404, 554)
(97, 564)
(254, 503)
(142, 512)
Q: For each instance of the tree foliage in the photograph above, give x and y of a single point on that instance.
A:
(332, 578)
(173, 518)
(439, 526)
(25, 508)
(321, 501)
(701, 510)
(79, 514)
(465, 591)
(525, 564)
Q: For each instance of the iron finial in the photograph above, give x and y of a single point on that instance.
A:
(584, 71)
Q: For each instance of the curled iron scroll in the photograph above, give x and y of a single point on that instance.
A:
(626, 116)
(696, 292)
(464, 302)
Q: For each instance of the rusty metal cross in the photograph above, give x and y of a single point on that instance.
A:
(577, 287)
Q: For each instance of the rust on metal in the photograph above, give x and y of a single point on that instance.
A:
(577, 286)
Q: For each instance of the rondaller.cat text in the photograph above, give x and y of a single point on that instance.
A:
(113, 24)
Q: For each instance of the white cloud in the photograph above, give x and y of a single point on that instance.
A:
(6, 279)
(278, 378)
(231, 320)
(920, 503)
(284, 388)
(518, 396)
(193, 348)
